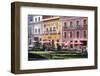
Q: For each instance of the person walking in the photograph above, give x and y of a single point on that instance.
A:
(58, 47)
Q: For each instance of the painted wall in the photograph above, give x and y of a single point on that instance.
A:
(71, 28)
(49, 33)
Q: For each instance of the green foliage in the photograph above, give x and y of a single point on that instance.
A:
(60, 54)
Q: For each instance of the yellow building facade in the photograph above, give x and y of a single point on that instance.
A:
(51, 29)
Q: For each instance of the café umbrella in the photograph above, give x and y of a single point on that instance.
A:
(66, 43)
(77, 43)
(46, 41)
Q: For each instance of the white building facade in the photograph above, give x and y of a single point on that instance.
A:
(37, 28)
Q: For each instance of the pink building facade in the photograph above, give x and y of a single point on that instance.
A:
(74, 30)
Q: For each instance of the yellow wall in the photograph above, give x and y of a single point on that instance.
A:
(51, 23)
(52, 37)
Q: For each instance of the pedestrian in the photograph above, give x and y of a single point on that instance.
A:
(44, 47)
(58, 47)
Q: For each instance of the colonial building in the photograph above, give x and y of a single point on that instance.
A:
(51, 29)
(37, 28)
(74, 30)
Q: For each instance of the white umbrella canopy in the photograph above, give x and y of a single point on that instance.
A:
(66, 43)
(78, 43)
(45, 41)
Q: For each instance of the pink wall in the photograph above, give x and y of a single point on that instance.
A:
(74, 29)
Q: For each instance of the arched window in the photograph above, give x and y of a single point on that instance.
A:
(39, 19)
(71, 35)
(35, 19)
(46, 29)
(77, 34)
(54, 28)
(35, 30)
(71, 24)
(65, 34)
(84, 33)
(77, 24)
(84, 22)
(65, 24)
(50, 29)
(39, 30)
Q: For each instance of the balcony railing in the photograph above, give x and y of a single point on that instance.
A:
(51, 32)
(76, 27)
